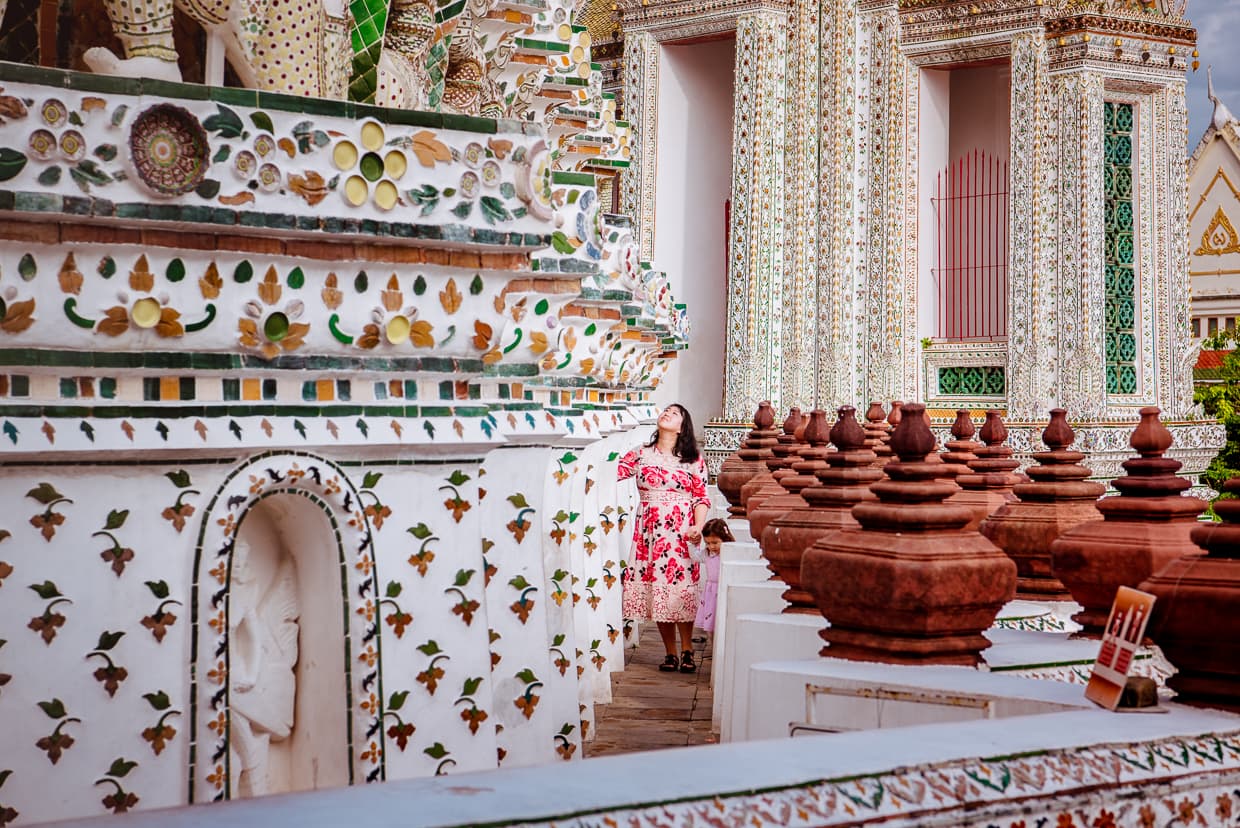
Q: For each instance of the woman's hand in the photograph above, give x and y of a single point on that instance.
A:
(693, 534)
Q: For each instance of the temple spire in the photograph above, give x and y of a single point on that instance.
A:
(1222, 115)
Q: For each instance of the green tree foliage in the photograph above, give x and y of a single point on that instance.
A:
(1221, 400)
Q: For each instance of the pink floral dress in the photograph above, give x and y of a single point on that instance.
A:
(660, 582)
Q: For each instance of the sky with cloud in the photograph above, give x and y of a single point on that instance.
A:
(1218, 38)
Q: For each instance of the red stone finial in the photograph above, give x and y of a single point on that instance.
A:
(994, 432)
(1150, 438)
(912, 440)
(1058, 435)
(817, 432)
(847, 434)
(764, 417)
(793, 420)
(963, 428)
(875, 413)
(893, 419)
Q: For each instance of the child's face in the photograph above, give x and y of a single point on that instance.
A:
(713, 544)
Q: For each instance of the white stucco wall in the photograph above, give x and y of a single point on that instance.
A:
(694, 181)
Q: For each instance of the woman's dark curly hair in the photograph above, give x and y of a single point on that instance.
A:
(686, 441)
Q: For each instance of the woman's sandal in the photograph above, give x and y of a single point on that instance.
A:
(669, 665)
(686, 662)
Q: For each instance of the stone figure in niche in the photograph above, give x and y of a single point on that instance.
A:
(275, 45)
(263, 629)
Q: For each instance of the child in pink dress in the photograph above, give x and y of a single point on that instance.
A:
(714, 534)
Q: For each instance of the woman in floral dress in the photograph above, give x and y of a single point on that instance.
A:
(660, 582)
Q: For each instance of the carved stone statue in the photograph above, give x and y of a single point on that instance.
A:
(263, 616)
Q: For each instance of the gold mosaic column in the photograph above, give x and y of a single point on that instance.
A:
(641, 107)
(756, 253)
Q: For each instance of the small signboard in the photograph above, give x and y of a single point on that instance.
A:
(1124, 631)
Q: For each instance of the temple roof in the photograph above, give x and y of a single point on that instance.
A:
(1223, 124)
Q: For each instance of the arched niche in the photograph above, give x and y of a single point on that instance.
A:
(286, 664)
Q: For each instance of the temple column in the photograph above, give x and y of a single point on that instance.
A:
(1179, 353)
(756, 252)
(641, 107)
(1032, 293)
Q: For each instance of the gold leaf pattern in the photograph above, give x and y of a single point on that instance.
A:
(115, 321)
(430, 149)
(420, 334)
(18, 317)
(168, 327)
(70, 276)
(141, 278)
(332, 297)
(211, 284)
(269, 289)
(482, 335)
(450, 297)
(392, 297)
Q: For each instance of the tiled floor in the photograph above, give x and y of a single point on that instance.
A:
(652, 710)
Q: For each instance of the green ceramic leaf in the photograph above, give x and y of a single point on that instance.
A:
(568, 457)
(75, 118)
(158, 588)
(12, 162)
(542, 307)
(421, 531)
(362, 282)
(436, 751)
(296, 278)
(262, 120)
(55, 709)
(471, 686)
(507, 190)
(458, 478)
(394, 589)
(397, 700)
(561, 243)
(121, 768)
(463, 209)
(527, 676)
(371, 479)
(45, 493)
(208, 189)
(50, 177)
(591, 329)
(175, 271)
(107, 267)
(105, 152)
(243, 272)
(573, 195)
(518, 500)
(475, 285)
(116, 518)
(108, 640)
(225, 122)
(558, 640)
(419, 285)
(430, 648)
(222, 153)
(158, 700)
(567, 729)
(27, 267)
(519, 582)
(463, 577)
(493, 210)
(118, 114)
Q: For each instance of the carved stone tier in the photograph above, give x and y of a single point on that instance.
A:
(911, 585)
(782, 541)
(1194, 620)
(1058, 499)
(746, 462)
(989, 483)
(961, 448)
(1142, 530)
(779, 461)
(780, 495)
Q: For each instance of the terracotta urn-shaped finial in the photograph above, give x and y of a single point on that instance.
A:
(783, 439)
(961, 448)
(1194, 620)
(910, 585)
(746, 462)
(1058, 498)
(1143, 529)
(876, 429)
(770, 503)
(781, 540)
(988, 485)
(784, 453)
(883, 452)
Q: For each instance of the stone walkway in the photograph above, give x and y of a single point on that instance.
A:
(652, 710)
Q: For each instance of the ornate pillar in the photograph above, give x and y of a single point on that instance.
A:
(641, 106)
(1178, 354)
(839, 288)
(801, 205)
(1032, 293)
(756, 254)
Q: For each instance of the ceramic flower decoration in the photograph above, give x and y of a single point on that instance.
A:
(269, 328)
